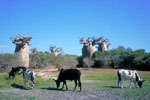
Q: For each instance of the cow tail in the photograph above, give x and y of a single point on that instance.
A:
(119, 76)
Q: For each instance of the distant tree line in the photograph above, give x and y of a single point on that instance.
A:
(120, 57)
(39, 60)
(45, 59)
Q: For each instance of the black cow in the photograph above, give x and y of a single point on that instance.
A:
(16, 70)
(69, 74)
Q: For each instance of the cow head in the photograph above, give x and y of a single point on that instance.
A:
(140, 83)
(12, 73)
(56, 81)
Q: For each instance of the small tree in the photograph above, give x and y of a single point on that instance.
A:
(54, 50)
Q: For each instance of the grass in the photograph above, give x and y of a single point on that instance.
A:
(99, 79)
(12, 96)
(5, 82)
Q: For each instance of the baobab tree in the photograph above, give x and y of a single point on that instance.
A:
(54, 50)
(34, 51)
(22, 50)
(88, 47)
(88, 51)
(103, 44)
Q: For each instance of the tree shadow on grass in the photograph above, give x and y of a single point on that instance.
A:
(114, 87)
(19, 86)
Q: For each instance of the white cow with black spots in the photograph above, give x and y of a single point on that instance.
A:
(133, 76)
(29, 75)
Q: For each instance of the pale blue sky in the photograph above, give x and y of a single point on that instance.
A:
(63, 22)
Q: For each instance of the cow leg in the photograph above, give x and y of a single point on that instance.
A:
(75, 84)
(121, 85)
(135, 83)
(80, 84)
(66, 85)
(119, 80)
(63, 85)
(24, 80)
(118, 83)
(130, 84)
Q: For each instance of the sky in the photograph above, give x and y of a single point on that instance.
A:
(63, 22)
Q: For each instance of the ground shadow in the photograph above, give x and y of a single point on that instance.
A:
(110, 87)
(18, 86)
(55, 89)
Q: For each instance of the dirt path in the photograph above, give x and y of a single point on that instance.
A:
(52, 94)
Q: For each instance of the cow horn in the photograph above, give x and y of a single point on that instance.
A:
(53, 78)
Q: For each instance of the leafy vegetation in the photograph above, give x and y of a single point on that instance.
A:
(47, 59)
(123, 58)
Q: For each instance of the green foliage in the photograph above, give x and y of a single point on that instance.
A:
(123, 58)
(46, 59)
(7, 61)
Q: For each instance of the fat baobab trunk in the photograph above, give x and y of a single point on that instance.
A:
(22, 50)
(88, 51)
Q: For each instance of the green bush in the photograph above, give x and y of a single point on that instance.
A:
(123, 58)
(7, 61)
(46, 59)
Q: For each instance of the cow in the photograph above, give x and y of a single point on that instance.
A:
(29, 75)
(133, 76)
(68, 74)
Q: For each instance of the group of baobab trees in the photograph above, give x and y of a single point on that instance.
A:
(89, 48)
(53, 50)
(89, 45)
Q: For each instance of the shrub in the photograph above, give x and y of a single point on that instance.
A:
(7, 61)
(46, 59)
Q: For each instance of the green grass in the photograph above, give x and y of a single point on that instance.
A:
(102, 82)
(18, 81)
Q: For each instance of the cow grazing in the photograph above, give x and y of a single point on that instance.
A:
(129, 74)
(68, 74)
(16, 70)
(29, 76)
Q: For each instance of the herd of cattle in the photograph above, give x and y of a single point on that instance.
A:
(75, 74)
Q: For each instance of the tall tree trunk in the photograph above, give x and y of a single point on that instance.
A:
(88, 51)
(22, 55)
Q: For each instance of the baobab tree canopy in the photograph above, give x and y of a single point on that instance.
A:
(89, 45)
(21, 40)
(34, 51)
(22, 50)
(54, 50)
(103, 44)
